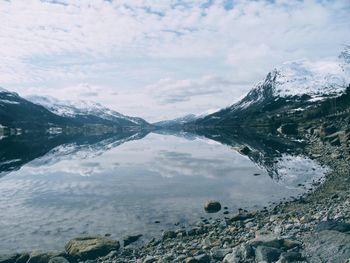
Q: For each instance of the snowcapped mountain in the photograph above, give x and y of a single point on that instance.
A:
(86, 110)
(295, 85)
(17, 112)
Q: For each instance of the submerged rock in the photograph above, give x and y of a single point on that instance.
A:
(91, 247)
(212, 206)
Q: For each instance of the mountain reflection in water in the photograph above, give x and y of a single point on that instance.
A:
(61, 186)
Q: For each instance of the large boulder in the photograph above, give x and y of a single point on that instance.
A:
(85, 248)
(328, 246)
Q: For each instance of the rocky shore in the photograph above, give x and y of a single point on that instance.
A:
(313, 228)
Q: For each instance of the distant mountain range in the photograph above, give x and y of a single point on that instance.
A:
(85, 111)
(38, 112)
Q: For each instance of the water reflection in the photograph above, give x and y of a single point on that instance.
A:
(58, 187)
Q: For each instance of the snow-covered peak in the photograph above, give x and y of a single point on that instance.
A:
(316, 79)
(68, 108)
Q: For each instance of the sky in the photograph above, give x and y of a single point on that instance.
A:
(160, 59)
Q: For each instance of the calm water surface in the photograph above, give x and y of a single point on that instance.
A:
(122, 186)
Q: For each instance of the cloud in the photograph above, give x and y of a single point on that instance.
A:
(129, 46)
(171, 91)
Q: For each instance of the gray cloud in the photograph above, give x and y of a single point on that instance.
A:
(169, 91)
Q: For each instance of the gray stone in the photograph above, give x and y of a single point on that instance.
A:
(58, 260)
(328, 246)
(212, 206)
(149, 259)
(23, 258)
(267, 241)
(190, 260)
(333, 225)
(245, 150)
(238, 254)
(289, 243)
(131, 239)
(268, 254)
(220, 253)
(241, 217)
(39, 257)
(91, 247)
(203, 258)
(291, 256)
(168, 235)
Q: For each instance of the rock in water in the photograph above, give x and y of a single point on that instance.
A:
(212, 206)
(85, 248)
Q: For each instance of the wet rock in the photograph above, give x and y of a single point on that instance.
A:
(9, 258)
(239, 254)
(289, 243)
(193, 231)
(23, 258)
(268, 254)
(202, 258)
(149, 259)
(289, 129)
(91, 247)
(58, 260)
(212, 206)
(333, 225)
(291, 257)
(168, 235)
(131, 239)
(220, 253)
(39, 257)
(330, 129)
(328, 246)
(245, 150)
(241, 216)
(190, 260)
(269, 240)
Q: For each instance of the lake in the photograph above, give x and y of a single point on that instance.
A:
(57, 187)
